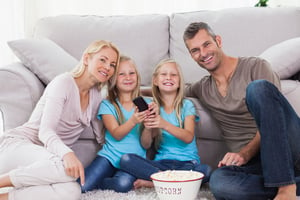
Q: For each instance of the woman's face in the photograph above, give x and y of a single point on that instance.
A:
(126, 77)
(102, 64)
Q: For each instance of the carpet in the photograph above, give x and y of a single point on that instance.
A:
(140, 194)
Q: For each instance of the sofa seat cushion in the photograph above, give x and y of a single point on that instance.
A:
(43, 57)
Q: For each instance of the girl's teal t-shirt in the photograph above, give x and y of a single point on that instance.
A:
(173, 148)
(113, 149)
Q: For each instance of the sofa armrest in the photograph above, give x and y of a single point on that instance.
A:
(20, 90)
(291, 90)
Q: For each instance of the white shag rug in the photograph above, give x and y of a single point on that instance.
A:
(140, 194)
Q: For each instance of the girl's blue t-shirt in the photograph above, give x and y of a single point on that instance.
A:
(113, 149)
(172, 148)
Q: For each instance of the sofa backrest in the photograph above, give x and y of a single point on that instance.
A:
(145, 38)
(244, 32)
(150, 38)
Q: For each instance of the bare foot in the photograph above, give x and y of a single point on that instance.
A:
(4, 196)
(142, 183)
(287, 192)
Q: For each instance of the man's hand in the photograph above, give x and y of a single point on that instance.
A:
(232, 159)
(73, 166)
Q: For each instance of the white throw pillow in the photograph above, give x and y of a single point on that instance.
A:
(43, 57)
(284, 57)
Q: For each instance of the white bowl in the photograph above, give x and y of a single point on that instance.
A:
(177, 184)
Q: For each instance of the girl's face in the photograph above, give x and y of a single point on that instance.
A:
(102, 64)
(167, 79)
(126, 77)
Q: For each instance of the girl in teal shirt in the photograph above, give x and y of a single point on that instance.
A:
(122, 132)
(172, 130)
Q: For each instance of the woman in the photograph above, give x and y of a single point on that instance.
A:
(39, 163)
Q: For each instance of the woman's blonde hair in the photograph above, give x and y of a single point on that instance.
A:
(157, 98)
(113, 92)
(92, 49)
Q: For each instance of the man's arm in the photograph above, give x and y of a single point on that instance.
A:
(245, 154)
(251, 149)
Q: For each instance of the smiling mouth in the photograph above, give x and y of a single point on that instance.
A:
(103, 73)
(168, 84)
(206, 59)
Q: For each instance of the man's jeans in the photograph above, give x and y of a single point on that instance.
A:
(279, 161)
(143, 168)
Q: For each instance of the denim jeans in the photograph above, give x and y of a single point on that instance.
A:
(143, 168)
(100, 174)
(279, 161)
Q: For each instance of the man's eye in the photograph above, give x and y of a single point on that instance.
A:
(193, 51)
(113, 65)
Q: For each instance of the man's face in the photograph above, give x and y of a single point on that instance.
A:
(205, 50)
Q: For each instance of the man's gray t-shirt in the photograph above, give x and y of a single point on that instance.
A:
(231, 111)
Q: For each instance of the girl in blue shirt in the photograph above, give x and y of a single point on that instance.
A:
(122, 132)
(172, 130)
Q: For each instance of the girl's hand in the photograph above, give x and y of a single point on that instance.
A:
(138, 117)
(73, 167)
(154, 122)
(153, 109)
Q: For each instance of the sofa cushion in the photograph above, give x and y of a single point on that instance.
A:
(43, 57)
(145, 38)
(284, 57)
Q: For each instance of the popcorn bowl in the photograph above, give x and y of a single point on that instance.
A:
(177, 184)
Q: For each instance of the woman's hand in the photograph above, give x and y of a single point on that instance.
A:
(73, 167)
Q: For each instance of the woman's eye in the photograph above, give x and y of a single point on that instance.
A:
(113, 65)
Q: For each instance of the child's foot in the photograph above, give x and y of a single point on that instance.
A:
(142, 183)
(287, 192)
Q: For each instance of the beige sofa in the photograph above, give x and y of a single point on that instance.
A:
(57, 44)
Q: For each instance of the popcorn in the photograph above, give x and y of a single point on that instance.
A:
(177, 175)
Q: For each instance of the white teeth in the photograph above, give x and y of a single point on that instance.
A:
(104, 74)
(210, 57)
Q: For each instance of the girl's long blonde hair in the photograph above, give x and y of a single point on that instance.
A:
(157, 98)
(113, 92)
(178, 102)
(92, 49)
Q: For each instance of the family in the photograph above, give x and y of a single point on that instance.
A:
(243, 94)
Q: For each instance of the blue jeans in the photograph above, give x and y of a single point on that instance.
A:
(278, 163)
(143, 168)
(100, 174)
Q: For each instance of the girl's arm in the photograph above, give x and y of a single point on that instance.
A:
(120, 131)
(146, 138)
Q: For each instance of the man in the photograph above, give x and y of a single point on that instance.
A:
(259, 126)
